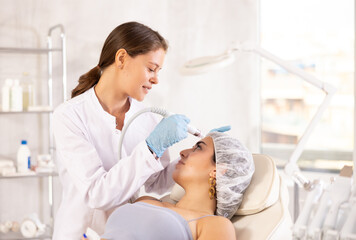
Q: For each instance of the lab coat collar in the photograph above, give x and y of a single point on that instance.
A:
(110, 119)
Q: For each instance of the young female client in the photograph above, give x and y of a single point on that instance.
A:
(214, 174)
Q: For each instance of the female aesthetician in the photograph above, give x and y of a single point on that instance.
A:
(87, 129)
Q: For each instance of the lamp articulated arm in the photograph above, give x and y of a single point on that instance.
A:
(291, 167)
(205, 64)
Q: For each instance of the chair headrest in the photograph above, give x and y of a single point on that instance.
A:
(262, 192)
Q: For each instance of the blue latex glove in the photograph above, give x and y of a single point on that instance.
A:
(221, 129)
(169, 131)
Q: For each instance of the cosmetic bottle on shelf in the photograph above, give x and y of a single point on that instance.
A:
(27, 91)
(5, 95)
(16, 97)
(23, 158)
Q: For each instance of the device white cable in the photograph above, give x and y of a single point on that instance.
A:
(348, 231)
(192, 130)
(329, 204)
(300, 226)
(341, 189)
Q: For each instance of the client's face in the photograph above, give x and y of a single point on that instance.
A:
(196, 163)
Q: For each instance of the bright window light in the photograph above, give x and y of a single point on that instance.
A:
(317, 36)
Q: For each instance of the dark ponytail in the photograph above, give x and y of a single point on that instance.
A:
(87, 81)
(134, 37)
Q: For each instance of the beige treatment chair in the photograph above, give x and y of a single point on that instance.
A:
(263, 213)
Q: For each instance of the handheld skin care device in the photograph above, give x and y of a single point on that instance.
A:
(192, 130)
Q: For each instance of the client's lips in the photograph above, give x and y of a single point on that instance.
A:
(148, 87)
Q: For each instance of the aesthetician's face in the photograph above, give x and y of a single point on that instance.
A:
(141, 73)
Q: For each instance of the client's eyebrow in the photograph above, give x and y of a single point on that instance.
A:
(200, 143)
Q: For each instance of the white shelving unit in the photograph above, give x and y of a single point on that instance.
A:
(48, 111)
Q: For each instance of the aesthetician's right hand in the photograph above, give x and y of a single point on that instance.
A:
(168, 132)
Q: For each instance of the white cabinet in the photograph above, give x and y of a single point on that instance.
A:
(44, 111)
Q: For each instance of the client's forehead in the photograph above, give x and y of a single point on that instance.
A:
(208, 141)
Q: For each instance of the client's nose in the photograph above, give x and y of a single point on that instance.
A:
(185, 153)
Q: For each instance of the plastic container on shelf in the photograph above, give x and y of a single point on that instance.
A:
(23, 158)
(16, 97)
(27, 91)
(32, 227)
(5, 95)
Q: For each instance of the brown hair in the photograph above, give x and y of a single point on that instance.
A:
(134, 37)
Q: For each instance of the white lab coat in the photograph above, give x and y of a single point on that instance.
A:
(94, 180)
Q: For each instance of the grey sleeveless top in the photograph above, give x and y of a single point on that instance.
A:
(145, 221)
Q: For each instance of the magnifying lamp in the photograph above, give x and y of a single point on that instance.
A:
(205, 64)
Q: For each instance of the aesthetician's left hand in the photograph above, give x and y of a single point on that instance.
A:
(221, 129)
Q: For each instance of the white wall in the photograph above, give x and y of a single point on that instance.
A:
(193, 28)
